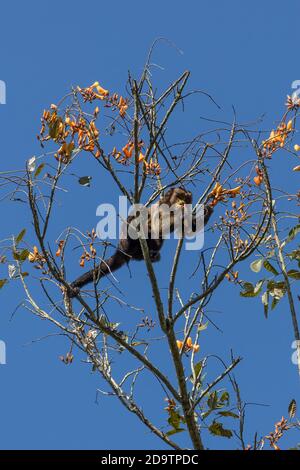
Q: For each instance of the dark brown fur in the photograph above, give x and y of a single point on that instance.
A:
(130, 249)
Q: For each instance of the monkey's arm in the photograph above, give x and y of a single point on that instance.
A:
(198, 222)
(208, 210)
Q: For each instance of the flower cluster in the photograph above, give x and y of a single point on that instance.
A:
(127, 152)
(93, 92)
(36, 257)
(277, 137)
(124, 156)
(274, 437)
(219, 193)
(69, 132)
(88, 255)
(237, 214)
(97, 92)
(258, 179)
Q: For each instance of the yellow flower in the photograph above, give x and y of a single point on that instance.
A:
(32, 257)
(128, 149)
(233, 192)
(289, 126)
(141, 157)
(102, 91)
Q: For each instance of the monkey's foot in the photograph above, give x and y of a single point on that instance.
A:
(73, 291)
(154, 256)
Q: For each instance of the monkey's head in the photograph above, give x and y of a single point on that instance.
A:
(177, 196)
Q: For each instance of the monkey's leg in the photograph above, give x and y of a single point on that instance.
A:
(103, 269)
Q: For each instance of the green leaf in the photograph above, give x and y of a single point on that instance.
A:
(293, 233)
(212, 401)
(225, 397)
(85, 180)
(174, 431)
(206, 414)
(174, 419)
(248, 290)
(268, 266)
(2, 282)
(258, 287)
(198, 368)
(39, 170)
(203, 326)
(256, 265)
(54, 128)
(295, 254)
(228, 414)
(20, 236)
(292, 409)
(31, 164)
(294, 274)
(274, 302)
(21, 256)
(265, 301)
(217, 430)
(276, 289)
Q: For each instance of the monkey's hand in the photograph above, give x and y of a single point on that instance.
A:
(73, 291)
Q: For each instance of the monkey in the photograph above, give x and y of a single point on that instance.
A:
(129, 248)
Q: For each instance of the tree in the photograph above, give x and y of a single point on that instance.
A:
(143, 160)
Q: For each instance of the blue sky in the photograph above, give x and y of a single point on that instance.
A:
(244, 54)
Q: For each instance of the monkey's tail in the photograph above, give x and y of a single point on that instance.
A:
(103, 269)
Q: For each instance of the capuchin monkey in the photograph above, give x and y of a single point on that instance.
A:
(129, 248)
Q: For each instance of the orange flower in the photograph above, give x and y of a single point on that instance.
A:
(60, 246)
(289, 126)
(123, 106)
(278, 137)
(152, 167)
(188, 345)
(258, 180)
(128, 149)
(233, 192)
(89, 93)
(32, 257)
(141, 157)
(35, 256)
(64, 153)
(95, 132)
(218, 193)
(102, 91)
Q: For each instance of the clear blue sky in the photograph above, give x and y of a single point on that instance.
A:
(245, 54)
